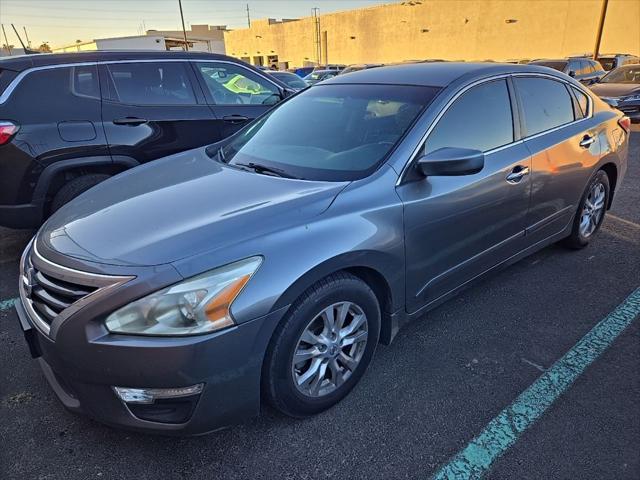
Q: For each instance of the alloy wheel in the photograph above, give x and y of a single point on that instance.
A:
(329, 349)
(593, 209)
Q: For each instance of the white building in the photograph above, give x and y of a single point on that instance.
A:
(204, 38)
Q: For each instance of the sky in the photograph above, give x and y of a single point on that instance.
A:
(63, 22)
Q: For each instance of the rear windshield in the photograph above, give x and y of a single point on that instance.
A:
(6, 76)
(560, 66)
(627, 74)
(291, 79)
(330, 132)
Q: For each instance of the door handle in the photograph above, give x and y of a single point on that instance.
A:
(517, 174)
(587, 140)
(235, 118)
(133, 121)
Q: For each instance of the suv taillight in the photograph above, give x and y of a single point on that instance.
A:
(7, 131)
(625, 123)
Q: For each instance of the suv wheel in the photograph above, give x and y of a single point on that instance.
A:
(74, 188)
(323, 346)
(591, 211)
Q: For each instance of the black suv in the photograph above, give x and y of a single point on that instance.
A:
(585, 70)
(69, 121)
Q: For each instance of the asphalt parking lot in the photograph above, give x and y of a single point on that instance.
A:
(423, 399)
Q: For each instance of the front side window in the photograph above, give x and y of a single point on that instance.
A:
(479, 120)
(330, 132)
(152, 83)
(231, 84)
(546, 104)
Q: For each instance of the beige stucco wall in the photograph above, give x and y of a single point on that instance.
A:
(457, 29)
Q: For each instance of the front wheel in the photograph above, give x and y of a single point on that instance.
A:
(591, 211)
(323, 346)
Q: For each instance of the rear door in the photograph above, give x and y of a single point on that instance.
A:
(564, 145)
(235, 93)
(154, 109)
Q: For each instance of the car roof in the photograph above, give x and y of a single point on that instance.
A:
(22, 62)
(436, 74)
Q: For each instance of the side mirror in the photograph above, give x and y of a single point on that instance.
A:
(572, 73)
(450, 161)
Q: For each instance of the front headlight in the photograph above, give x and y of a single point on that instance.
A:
(198, 305)
(631, 98)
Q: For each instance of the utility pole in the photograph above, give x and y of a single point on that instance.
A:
(248, 17)
(603, 14)
(6, 42)
(26, 35)
(315, 13)
(184, 31)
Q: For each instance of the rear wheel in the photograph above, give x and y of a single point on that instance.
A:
(74, 188)
(591, 211)
(323, 346)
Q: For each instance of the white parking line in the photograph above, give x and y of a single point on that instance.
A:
(7, 304)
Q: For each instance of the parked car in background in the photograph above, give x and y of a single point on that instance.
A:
(611, 61)
(320, 75)
(360, 66)
(331, 66)
(268, 266)
(303, 71)
(290, 79)
(585, 70)
(69, 121)
(620, 88)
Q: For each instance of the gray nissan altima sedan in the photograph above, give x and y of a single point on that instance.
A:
(177, 296)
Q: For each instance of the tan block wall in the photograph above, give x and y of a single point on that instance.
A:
(457, 29)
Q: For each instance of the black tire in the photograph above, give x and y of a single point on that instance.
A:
(278, 378)
(74, 188)
(576, 239)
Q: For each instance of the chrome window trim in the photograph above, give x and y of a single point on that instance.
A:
(466, 88)
(16, 81)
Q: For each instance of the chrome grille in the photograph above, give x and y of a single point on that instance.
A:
(49, 291)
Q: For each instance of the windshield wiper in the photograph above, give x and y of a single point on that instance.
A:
(221, 155)
(259, 168)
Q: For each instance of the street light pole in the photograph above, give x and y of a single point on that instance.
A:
(603, 14)
(184, 31)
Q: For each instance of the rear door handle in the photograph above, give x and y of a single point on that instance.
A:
(517, 174)
(130, 121)
(235, 118)
(587, 140)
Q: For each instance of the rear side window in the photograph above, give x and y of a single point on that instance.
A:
(151, 83)
(480, 120)
(546, 104)
(583, 103)
(84, 81)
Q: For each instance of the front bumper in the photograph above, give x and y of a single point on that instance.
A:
(20, 216)
(228, 362)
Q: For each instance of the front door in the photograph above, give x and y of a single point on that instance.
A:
(151, 110)
(458, 227)
(236, 94)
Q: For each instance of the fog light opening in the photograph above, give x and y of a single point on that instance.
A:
(148, 396)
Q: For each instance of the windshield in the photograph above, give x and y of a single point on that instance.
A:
(330, 132)
(607, 63)
(290, 79)
(560, 66)
(627, 74)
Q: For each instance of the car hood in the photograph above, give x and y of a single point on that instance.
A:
(615, 89)
(177, 207)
